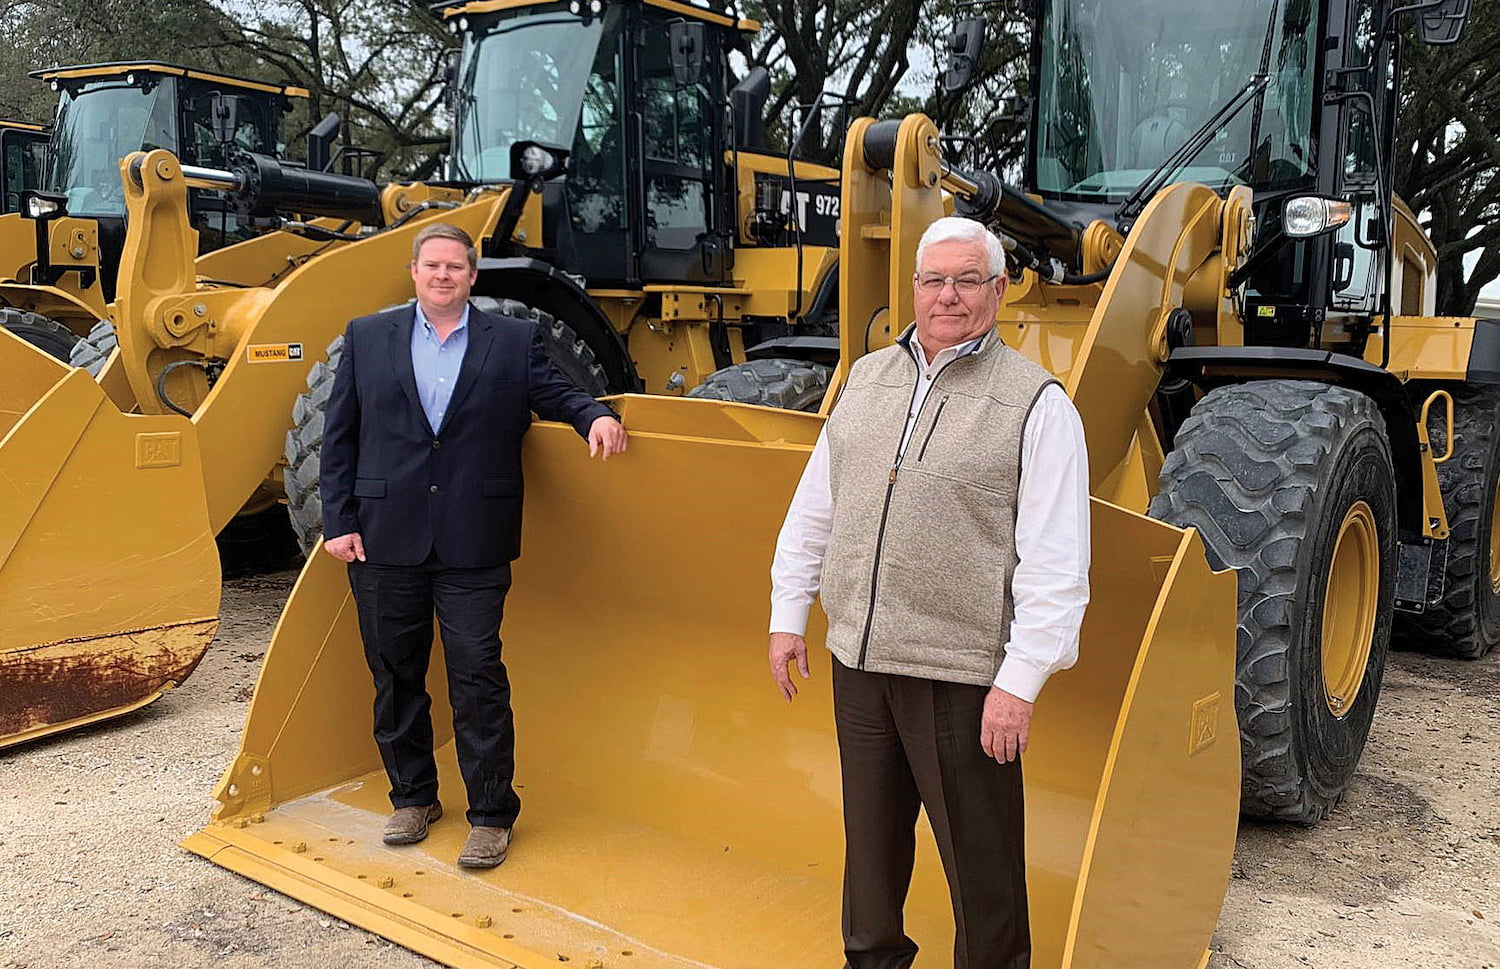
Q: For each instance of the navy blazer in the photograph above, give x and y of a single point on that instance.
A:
(409, 491)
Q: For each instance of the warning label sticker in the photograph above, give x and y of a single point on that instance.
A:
(273, 352)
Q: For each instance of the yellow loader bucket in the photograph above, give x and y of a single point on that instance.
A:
(109, 578)
(676, 811)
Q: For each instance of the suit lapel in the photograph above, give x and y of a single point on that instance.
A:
(406, 376)
(481, 337)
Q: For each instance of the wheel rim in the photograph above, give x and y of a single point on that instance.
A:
(1350, 607)
(1495, 541)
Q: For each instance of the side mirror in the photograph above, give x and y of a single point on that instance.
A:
(686, 45)
(320, 143)
(451, 62)
(963, 54)
(1442, 22)
(748, 101)
(226, 117)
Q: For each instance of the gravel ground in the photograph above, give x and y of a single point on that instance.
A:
(1403, 875)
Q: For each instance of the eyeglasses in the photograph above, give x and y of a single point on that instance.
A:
(963, 285)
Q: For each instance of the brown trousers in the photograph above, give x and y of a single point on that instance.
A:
(906, 743)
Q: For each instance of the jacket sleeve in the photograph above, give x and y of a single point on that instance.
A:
(340, 456)
(556, 398)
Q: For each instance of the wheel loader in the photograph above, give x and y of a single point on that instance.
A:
(677, 812)
(63, 231)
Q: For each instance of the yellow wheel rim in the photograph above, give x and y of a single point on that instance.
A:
(1349, 608)
(1495, 541)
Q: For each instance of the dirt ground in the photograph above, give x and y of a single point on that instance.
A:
(1406, 874)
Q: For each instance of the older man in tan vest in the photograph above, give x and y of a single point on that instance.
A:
(943, 521)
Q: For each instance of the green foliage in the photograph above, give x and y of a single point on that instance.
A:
(854, 49)
(1448, 153)
(378, 63)
(39, 34)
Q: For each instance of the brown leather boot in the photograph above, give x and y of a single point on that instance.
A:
(408, 825)
(485, 848)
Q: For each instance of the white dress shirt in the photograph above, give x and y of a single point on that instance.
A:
(1050, 586)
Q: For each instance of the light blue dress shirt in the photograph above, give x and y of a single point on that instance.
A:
(436, 363)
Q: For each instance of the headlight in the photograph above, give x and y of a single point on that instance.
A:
(1311, 215)
(535, 160)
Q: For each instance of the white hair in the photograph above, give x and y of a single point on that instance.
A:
(952, 228)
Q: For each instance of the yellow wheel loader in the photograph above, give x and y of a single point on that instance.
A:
(623, 198)
(678, 813)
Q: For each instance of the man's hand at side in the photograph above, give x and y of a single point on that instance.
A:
(1005, 725)
(345, 548)
(606, 437)
(785, 648)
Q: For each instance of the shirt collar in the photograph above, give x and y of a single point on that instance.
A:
(914, 345)
(422, 321)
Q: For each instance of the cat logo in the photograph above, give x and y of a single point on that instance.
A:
(273, 352)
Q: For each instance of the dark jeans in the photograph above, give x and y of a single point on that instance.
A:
(905, 743)
(396, 606)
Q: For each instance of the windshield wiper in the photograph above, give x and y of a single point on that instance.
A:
(467, 103)
(1196, 142)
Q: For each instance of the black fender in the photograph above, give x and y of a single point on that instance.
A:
(825, 304)
(547, 288)
(1484, 353)
(1211, 367)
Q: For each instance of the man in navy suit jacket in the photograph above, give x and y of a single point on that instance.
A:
(421, 483)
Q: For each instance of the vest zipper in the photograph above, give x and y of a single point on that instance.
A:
(890, 487)
(935, 418)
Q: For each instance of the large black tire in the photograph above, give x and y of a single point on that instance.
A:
(92, 352)
(304, 442)
(1275, 474)
(572, 356)
(304, 448)
(1465, 622)
(42, 332)
(774, 382)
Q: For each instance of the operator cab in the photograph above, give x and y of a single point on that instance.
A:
(643, 198)
(107, 111)
(1289, 97)
(23, 158)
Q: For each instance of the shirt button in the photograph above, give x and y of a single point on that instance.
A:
(929, 376)
(433, 489)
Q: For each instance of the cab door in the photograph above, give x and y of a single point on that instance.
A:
(1364, 163)
(23, 155)
(678, 238)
